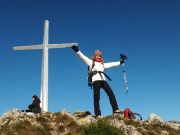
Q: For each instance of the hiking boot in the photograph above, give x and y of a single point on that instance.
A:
(117, 111)
(97, 116)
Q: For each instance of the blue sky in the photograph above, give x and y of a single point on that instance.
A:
(147, 32)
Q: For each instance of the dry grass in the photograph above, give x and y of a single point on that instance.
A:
(62, 123)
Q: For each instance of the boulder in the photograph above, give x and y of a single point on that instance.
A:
(153, 118)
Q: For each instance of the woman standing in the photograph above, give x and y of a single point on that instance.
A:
(98, 78)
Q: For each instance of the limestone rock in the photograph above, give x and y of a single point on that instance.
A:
(153, 118)
(62, 122)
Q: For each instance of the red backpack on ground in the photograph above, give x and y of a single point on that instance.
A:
(131, 115)
(127, 113)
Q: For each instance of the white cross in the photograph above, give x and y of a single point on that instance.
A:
(45, 46)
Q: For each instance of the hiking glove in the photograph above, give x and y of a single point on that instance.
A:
(122, 61)
(75, 48)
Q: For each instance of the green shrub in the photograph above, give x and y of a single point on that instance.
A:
(102, 128)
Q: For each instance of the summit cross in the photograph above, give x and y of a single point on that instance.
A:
(44, 76)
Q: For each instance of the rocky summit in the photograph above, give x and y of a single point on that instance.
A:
(15, 122)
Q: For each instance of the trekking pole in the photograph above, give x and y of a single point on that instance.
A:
(123, 57)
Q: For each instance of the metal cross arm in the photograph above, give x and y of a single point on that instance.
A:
(36, 47)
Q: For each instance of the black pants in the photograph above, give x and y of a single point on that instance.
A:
(97, 85)
(27, 110)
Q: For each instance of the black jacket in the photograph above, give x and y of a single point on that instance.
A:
(35, 106)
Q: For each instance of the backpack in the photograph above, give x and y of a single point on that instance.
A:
(90, 74)
(127, 113)
(131, 115)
